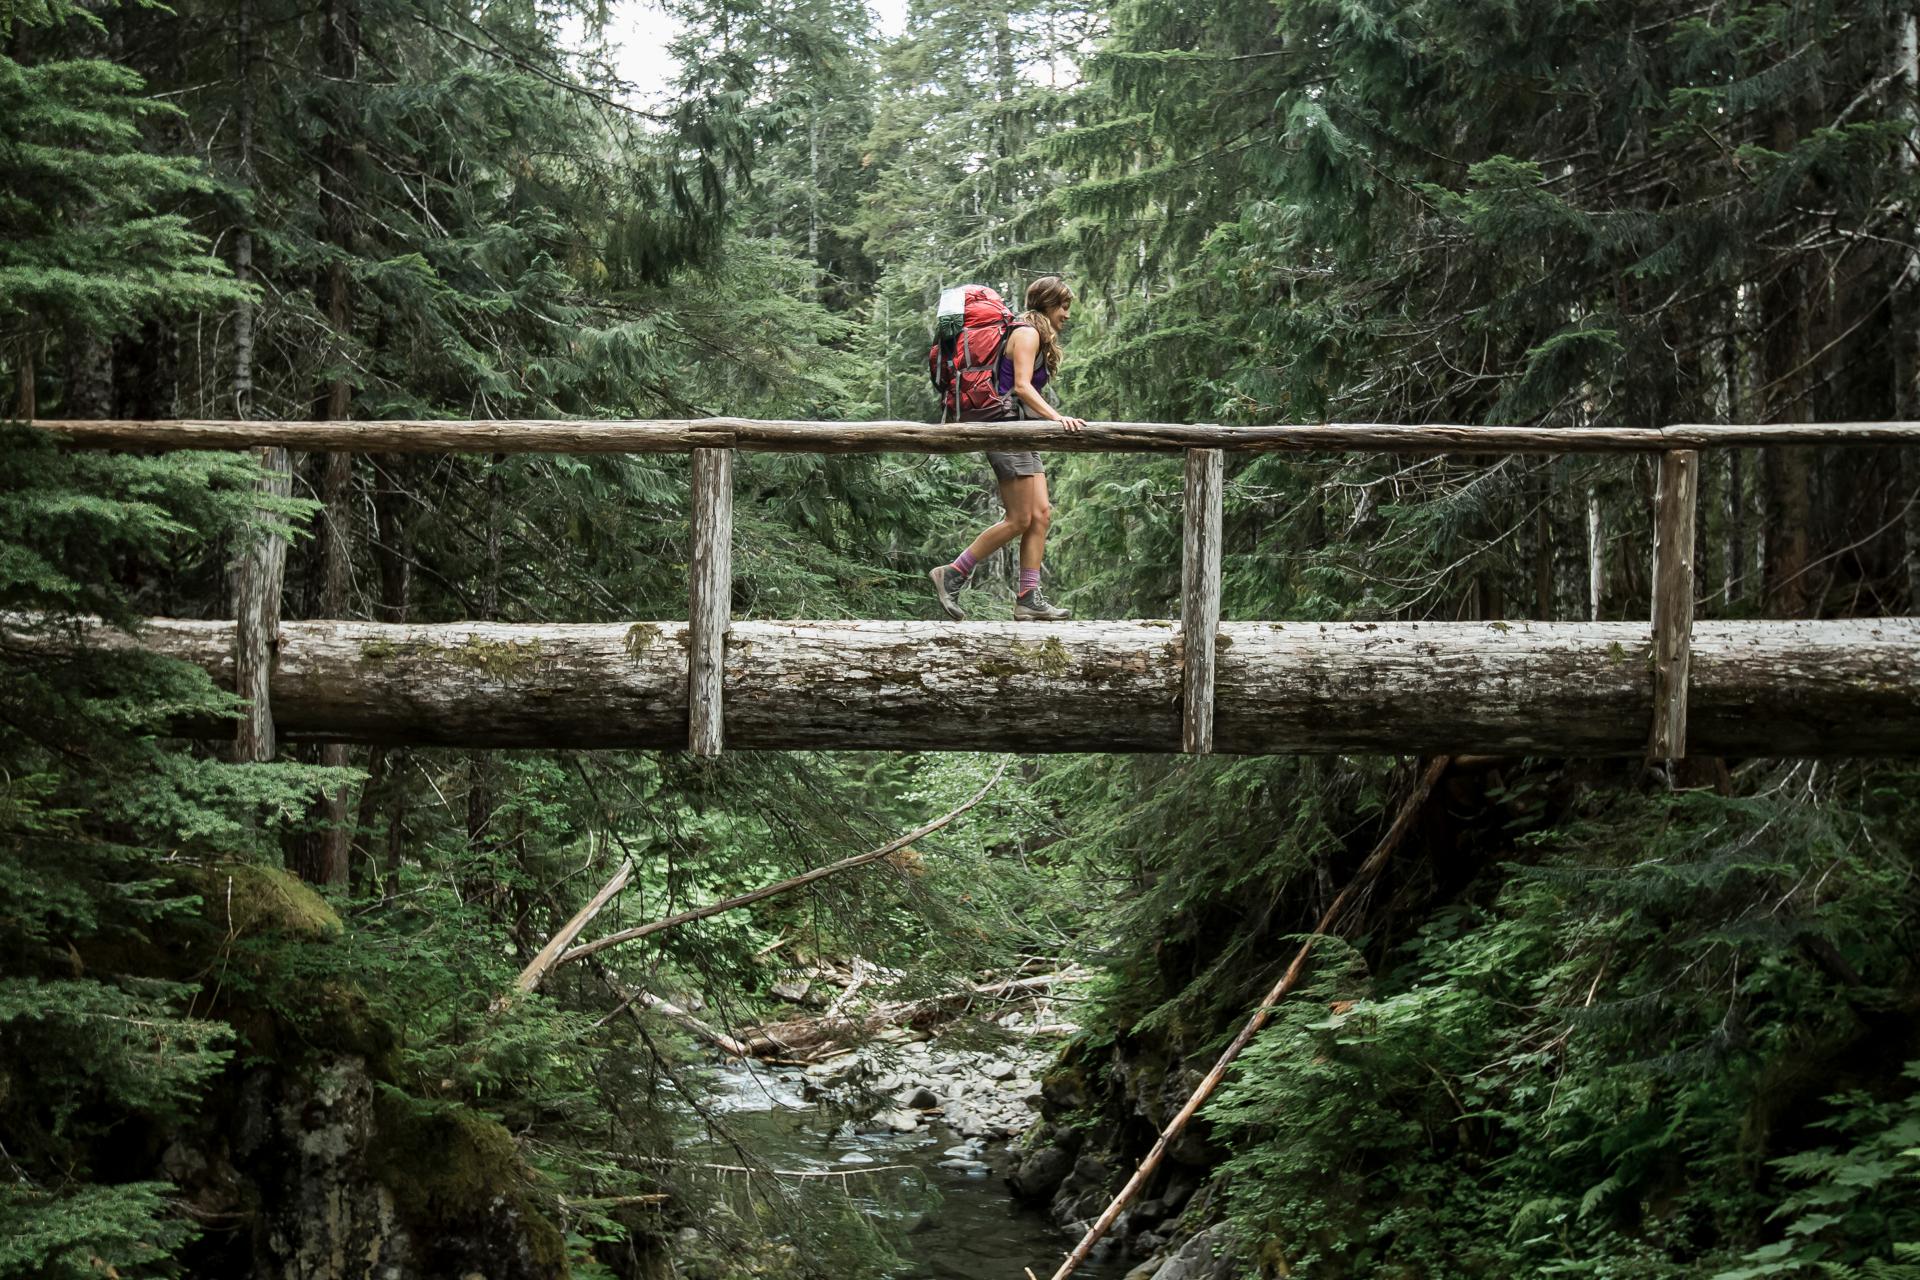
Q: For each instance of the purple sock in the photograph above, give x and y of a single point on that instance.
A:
(965, 563)
(1029, 579)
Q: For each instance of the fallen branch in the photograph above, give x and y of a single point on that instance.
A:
(857, 1171)
(815, 1037)
(845, 998)
(1402, 823)
(674, 1013)
(551, 953)
(784, 886)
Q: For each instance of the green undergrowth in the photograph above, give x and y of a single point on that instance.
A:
(1639, 1035)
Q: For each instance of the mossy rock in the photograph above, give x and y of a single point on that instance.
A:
(243, 898)
(459, 1184)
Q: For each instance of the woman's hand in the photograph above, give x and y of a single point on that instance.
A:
(1072, 424)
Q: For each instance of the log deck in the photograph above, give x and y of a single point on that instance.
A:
(1833, 688)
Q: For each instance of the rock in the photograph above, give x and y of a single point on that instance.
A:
(967, 1123)
(999, 1069)
(972, 1168)
(969, 1150)
(856, 1157)
(1039, 1174)
(1204, 1257)
(897, 1120)
(1066, 1089)
(1076, 1202)
(918, 1097)
(1091, 1170)
(793, 990)
(687, 1236)
(1066, 1137)
(886, 1083)
(1145, 1270)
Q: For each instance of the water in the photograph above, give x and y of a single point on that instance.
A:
(959, 1225)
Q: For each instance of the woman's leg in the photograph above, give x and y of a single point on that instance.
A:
(1019, 495)
(1030, 604)
(1033, 539)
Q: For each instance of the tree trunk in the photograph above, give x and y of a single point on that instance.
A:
(324, 855)
(1786, 475)
(259, 574)
(26, 404)
(1906, 314)
(1596, 556)
(243, 234)
(89, 389)
(1571, 688)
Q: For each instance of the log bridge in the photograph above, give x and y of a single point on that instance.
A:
(1661, 688)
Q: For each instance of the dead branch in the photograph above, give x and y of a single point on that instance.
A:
(785, 886)
(1402, 823)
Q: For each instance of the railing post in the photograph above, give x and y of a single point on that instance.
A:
(710, 603)
(259, 572)
(1673, 592)
(1199, 597)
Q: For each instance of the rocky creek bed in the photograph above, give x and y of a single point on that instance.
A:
(977, 1181)
(935, 1123)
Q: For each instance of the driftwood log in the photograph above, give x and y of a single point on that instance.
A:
(1570, 688)
(681, 435)
(799, 1039)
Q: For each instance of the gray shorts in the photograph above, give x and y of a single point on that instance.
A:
(1006, 466)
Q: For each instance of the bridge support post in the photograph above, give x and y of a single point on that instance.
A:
(1673, 594)
(259, 573)
(1200, 597)
(710, 602)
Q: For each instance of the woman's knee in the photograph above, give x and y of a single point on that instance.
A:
(1040, 518)
(1018, 519)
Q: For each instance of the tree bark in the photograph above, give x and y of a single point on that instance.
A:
(710, 597)
(1842, 687)
(259, 575)
(1673, 594)
(1200, 597)
(1596, 556)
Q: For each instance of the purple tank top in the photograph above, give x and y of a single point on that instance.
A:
(1003, 380)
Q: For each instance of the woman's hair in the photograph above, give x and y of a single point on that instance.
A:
(1043, 295)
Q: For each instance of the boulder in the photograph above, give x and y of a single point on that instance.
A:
(1092, 1170)
(1040, 1173)
(1207, 1256)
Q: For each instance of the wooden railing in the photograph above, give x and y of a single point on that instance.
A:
(711, 442)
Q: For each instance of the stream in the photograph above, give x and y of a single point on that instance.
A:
(961, 1219)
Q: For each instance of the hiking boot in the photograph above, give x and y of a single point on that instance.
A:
(1031, 606)
(947, 582)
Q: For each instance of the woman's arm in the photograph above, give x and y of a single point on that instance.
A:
(1024, 346)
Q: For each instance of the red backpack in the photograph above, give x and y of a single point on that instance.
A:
(971, 335)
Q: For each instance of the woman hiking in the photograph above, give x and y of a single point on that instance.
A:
(1029, 358)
